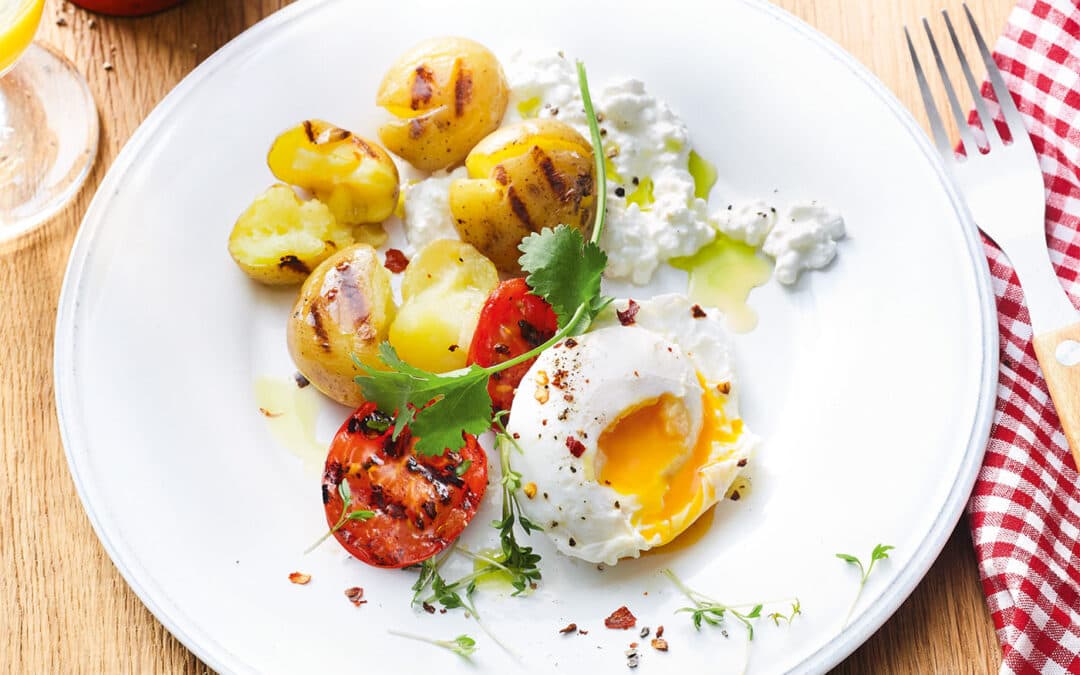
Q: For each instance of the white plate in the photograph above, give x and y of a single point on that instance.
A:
(871, 382)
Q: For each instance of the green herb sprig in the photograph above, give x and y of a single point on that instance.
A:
(562, 268)
(880, 552)
(462, 645)
(346, 514)
(796, 609)
(711, 611)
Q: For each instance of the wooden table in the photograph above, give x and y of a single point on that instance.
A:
(64, 607)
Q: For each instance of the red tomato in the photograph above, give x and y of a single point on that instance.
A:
(421, 504)
(126, 7)
(512, 322)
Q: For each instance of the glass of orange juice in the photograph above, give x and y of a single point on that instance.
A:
(48, 123)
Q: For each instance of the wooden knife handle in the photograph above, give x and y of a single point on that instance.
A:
(1058, 352)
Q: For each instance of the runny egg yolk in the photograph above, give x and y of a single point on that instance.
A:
(646, 453)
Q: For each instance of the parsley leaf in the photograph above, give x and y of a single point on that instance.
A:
(565, 270)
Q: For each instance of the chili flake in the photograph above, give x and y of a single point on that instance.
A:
(621, 619)
(355, 595)
(396, 261)
(299, 578)
(626, 316)
(576, 447)
(697, 312)
(659, 644)
(267, 413)
(570, 628)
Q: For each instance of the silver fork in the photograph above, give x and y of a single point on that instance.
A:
(1005, 193)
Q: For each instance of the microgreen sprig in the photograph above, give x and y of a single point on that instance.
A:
(796, 609)
(880, 552)
(710, 611)
(346, 514)
(561, 267)
(462, 645)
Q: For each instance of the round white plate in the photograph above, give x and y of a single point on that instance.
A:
(871, 382)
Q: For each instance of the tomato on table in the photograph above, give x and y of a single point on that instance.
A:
(512, 322)
(421, 504)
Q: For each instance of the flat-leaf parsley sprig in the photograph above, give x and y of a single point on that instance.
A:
(880, 552)
(562, 268)
(346, 514)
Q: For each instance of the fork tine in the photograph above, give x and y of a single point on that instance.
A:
(967, 140)
(992, 136)
(941, 139)
(1008, 107)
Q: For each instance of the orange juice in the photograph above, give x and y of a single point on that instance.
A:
(19, 20)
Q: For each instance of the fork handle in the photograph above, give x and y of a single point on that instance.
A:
(1058, 352)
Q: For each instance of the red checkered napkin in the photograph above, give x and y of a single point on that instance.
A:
(1025, 510)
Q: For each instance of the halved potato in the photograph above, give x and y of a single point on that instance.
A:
(444, 289)
(280, 238)
(523, 178)
(355, 177)
(345, 308)
(445, 94)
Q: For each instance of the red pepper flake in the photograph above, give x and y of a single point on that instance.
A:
(697, 312)
(267, 413)
(582, 632)
(299, 578)
(570, 628)
(571, 343)
(621, 619)
(396, 261)
(633, 645)
(659, 631)
(429, 608)
(659, 644)
(626, 316)
(355, 595)
(576, 447)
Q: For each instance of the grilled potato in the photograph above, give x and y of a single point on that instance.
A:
(445, 95)
(523, 178)
(280, 238)
(355, 177)
(345, 308)
(444, 289)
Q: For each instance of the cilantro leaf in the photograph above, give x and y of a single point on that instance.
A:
(465, 406)
(461, 402)
(565, 270)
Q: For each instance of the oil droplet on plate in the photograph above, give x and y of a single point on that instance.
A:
(704, 174)
(290, 414)
(722, 274)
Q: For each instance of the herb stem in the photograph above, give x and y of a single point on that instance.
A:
(598, 154)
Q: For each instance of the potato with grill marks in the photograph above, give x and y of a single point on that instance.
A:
(445, 95)
(280, 238)
(345, 308)
(523, 178)
(353, 176)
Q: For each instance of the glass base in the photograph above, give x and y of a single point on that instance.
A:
(48, 139)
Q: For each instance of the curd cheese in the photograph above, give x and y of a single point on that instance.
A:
(427, 208)
(804, 237)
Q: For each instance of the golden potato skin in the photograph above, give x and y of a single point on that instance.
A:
(345, 307)
(355, 177)
(523, 178)
(280, 238)
(444, 288)
(446, 94)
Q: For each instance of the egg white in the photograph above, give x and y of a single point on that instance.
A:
(579, 390)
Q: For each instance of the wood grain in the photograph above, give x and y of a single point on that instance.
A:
(65, 608)
(1063, 381)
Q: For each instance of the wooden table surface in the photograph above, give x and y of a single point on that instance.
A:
(65, 608)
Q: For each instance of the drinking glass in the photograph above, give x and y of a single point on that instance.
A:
(48, 123)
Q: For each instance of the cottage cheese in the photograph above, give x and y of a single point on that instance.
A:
(427, 208)
(749, 222)
(647, 144)
(804, 237)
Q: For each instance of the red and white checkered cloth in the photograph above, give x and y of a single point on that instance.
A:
(1025, 510)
